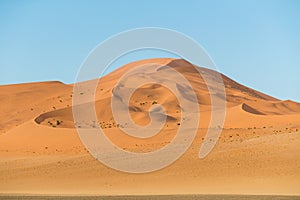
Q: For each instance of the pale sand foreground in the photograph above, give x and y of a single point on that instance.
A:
(258, 151)
(159, 197)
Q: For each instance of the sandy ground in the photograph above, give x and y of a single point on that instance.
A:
(158, 197)
(40, 152)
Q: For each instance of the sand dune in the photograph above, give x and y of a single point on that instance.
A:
(40, 151)
(272, 108)
(23, 102)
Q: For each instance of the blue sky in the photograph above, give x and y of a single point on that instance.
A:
(257, 43)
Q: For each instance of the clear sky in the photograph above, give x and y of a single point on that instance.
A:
(257, 43)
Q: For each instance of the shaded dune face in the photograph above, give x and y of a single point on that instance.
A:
(250, 100)
(250, 109)
(272, 108)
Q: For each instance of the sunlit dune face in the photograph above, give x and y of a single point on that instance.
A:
(142, 100)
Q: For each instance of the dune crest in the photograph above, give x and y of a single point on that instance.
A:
(249, 109)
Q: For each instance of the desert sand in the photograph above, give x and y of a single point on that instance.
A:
(40, 151)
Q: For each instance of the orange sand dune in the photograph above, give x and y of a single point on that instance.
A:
(40, 152)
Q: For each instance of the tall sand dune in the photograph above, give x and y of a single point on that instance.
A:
(40, 151)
